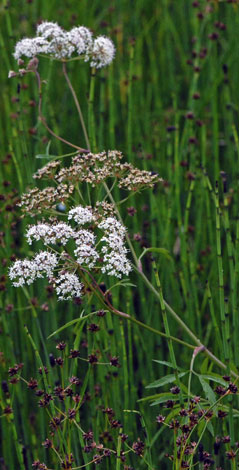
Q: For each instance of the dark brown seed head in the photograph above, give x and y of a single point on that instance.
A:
(61, 346)
(32, 384)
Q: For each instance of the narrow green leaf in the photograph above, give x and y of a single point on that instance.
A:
(70, 323)
(168, 364)
(210, 395)
(162, 251)
(215, 378)
(165, 397)
(204, 366)
(165, 380)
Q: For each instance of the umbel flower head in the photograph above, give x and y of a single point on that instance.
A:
(98, 242)
(53, 41)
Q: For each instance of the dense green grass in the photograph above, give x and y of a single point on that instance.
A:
(140, 107)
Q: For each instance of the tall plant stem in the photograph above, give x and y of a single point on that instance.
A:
(77, 105)
(185, 327)
(236, 319)
(91, 123)
(138, 269)
(176, 317)
(167, 331)
(126, 316)
(105, 302)
(221, 280)
(43, 119)
(130, 102)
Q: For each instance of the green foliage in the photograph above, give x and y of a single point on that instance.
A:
(175, 118)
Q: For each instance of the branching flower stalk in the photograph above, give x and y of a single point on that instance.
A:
(138, 269)
(92, 254)
(93, 286)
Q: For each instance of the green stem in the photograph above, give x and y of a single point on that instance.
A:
(167, 331)
(214, 320)
(220, 275)
(77, 105)
(91, 123)
(118, 450)
(130, 102)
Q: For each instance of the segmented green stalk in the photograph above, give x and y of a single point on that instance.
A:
(112, 113)
(125, 370)
(177, 172)
(130, 103)
(220, 277)
(232, 274)
(91, 118)
(167, 331)
(235, 301)
(213, 316)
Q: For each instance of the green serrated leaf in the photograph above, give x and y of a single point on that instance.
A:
(165, 380)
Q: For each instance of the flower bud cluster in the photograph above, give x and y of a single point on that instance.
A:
(55, 42)
(95, 168)
(36, 200)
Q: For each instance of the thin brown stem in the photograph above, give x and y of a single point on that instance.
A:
(77, 105)
(43, 119)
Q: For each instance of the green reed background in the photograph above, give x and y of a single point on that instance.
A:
(141, 107)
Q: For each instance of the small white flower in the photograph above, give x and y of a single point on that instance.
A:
(114, 241)
(53, 40)
(48, 29)
(112, 225)
(26, 271)
(85, 252)
(102, 53)
(60, 47)
(81, 38)
(50, 234)
(30, 47)
(87, 255)
(46, 262)
(38, 232)
(81, 215)
(116, 264)
(68, 286)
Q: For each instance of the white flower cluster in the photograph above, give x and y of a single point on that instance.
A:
(52, 40)
(68, 286)
(111, 258)
(81, 215)
(27, 271)
(85, 252)
(114, 252)
(50, 234)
